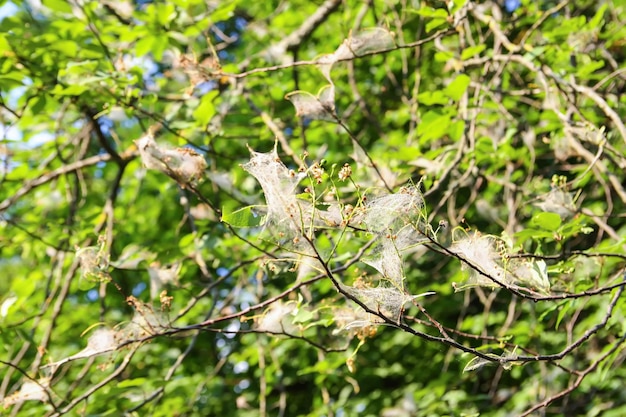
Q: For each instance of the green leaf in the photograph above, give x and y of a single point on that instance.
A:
(144, 45)
(165, 13)
(85, 284)
(24, 287)
(68, 48)
(430, 98)
(39, 103)
(224, 11)
(585, 70)
(531, 233)
(438, 16)
(456, 129)
(455, 6)
(599, 16)
(4, 43)
(433, 126)
(245, 217)
(550, 310)
(12, 79)
(58, 5)
(79, 68)
(432, 12)
(435, 23)
(72, 90)
(161, 42)
(563, 311)
(136, 382)
(182, 124)
(546, 221)
(457, 88)
(187, 241)
(472, 50)
(443, 56)
(303, 316)
(206, 109)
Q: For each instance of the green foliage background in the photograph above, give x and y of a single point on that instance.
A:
(489, 109)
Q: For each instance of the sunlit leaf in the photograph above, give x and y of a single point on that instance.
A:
(469, 52)
(58, 5)
(206, 109)
(546, 221)
(244, 217)
(457, 87)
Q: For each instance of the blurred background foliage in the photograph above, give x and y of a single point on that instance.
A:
(510, 116)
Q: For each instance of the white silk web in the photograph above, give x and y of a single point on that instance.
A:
(183, 164)
(285, 212)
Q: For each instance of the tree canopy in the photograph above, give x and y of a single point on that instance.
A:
(320, 208)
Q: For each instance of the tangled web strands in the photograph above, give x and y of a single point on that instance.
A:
(278, 318)
(480, 252)
(387, 255)
(398, 220)
(182, 164)
(388, 301)
(279, 184)
(391, 213)
(487, 254)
